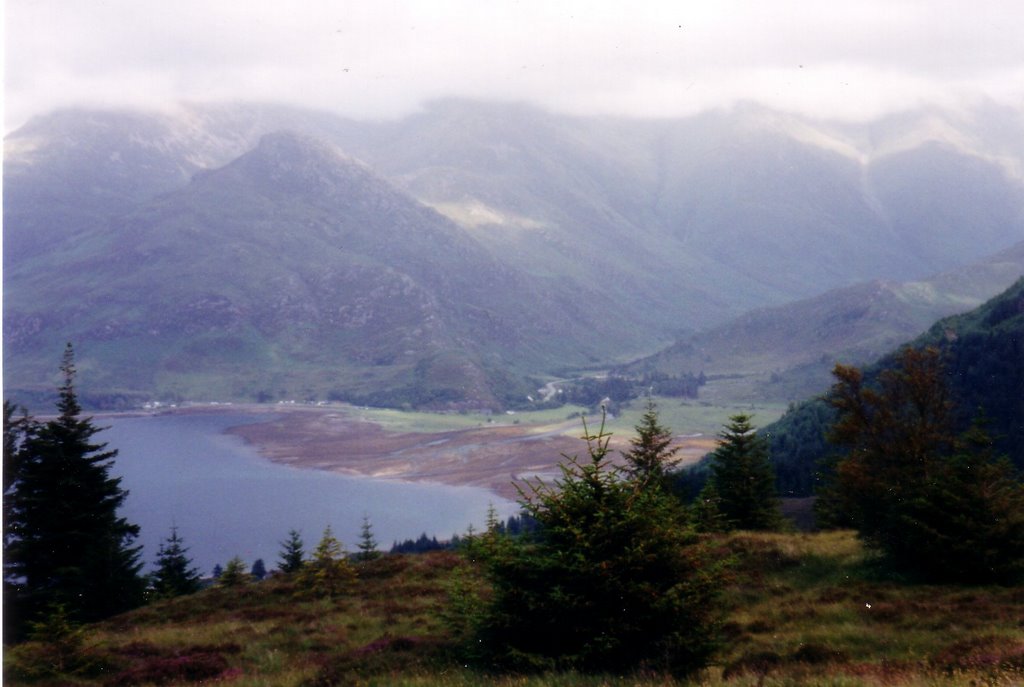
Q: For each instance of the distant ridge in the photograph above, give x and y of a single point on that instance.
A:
(787, 352)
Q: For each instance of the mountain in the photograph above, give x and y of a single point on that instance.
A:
(71, 170)
(292, 270)
(742, 196)
(787, 352)
(984, 355)
(529, 242)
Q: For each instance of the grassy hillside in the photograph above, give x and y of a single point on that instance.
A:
(803, 609)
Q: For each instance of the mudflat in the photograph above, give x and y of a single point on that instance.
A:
(495, 457)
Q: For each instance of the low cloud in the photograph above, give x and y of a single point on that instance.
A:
(850, 60)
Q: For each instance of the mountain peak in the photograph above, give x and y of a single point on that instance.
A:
(299, 163)
(292, 143)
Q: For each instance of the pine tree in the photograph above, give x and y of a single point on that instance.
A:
(652, 456)
(65, 543)
(328, 573)
(17, 433)
(234, 574)
(706, 510)
(367, 544)
(174, 575)
(259, 569)
(612, 579)
(292, 554)
(742, 476)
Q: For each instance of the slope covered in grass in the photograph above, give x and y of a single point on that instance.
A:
(803, 609)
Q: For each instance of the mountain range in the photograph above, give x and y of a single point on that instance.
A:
(456, 257)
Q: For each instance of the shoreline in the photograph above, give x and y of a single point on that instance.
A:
(334, 438)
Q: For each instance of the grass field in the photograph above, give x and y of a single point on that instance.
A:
(807, 609)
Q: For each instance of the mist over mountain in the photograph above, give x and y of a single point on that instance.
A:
(442, 259)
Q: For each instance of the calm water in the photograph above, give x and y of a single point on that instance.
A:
(226, 500)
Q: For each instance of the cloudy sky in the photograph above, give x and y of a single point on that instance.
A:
(849, 59)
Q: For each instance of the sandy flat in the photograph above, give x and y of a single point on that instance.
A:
(493, 457)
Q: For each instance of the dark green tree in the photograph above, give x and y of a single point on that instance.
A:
(706, 511)
(367, 544)
(18, 429)
(613, 578)
(292, 554)
(65, 543)
(742, 478)
(934, 504)
(17, 432)
(259, 569)
(651, 456)
(174, 574)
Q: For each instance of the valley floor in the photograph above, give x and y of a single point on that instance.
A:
(493, 453)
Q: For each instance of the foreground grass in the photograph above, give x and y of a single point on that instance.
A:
(804, 609)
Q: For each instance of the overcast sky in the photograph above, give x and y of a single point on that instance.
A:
(383, 58)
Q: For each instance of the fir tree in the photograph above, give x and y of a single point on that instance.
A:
(234, 574)
(742, 476)
(612, 579)
(60, 638)
(706, 511)
(367, 544)
(292, 554)
(652, 456)
(17, 432)
(174, 575)
(259, 569)
(328, 573)
(65, 544)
